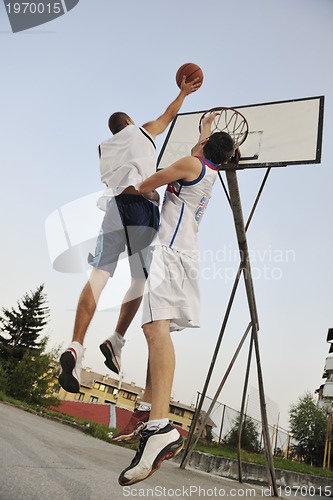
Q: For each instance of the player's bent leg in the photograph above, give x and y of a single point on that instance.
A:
(157, 443)
(139, 417)
(130, 304)
(111, 347)
(161, 366)
(71, 359)
(88, 302)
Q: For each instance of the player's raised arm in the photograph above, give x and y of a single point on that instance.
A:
(187, 169)
(205, 132)
(158, 126)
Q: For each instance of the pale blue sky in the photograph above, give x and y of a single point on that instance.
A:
(59, 84)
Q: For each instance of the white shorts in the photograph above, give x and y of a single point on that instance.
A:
(172, 290)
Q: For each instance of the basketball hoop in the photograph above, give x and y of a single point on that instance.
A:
(231, 121)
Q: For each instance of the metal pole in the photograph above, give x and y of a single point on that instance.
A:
(287, 446)
(210, 371)
(326, 441)
(244, 254)
(205, 419)
(241, 416)
(257, 198)
(329, 442)
(222, 422)
(276, 436)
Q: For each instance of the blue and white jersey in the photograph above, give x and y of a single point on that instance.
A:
(183, 208)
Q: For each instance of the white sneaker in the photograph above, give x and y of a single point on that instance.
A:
(71, 364)
(155, 446)
(111, 349)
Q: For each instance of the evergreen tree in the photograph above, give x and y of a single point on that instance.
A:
(308, 427)
(3, 379)
(25, 368)
(20, 328)
(31, 379)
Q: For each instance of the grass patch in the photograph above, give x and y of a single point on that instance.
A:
(259, 458)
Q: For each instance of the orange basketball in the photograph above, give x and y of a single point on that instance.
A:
(191, 71)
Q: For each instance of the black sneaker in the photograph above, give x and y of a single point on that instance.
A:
(155, 446)
(111, 349)
(71, 364)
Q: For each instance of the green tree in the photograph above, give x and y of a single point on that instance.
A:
(26, 368)
(32, 378)
(3, 379)
(308, 427)
(20, 328)
(249, 438)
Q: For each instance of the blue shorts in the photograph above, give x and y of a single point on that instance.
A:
(130, 222)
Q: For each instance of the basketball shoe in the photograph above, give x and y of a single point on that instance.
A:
(71, 364)
(111, 349)
(154, 447)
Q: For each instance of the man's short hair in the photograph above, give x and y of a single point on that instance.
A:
(118, 121)
(219, 148)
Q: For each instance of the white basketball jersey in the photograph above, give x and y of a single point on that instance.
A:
(183, 208)
(126, 159)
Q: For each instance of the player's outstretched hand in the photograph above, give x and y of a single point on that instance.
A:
(208, 118)
(190, 87)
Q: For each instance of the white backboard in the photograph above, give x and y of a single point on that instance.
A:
(280, 133)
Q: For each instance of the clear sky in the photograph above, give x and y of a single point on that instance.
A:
(59, 84)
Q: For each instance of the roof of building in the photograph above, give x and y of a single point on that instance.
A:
(88, 378)
(209, 422)
(182, 405)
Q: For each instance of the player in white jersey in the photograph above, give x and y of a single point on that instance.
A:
(130, 221)
(172, 300)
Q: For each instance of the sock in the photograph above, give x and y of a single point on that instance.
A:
(118, 338)
(157, 424)
(77, 346)
(143, 406)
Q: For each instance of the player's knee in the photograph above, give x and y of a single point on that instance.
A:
(99, 278)
(137, 285)
(148, 330)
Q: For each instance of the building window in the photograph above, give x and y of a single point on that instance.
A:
(99, 386)
(129, 395)
(176, 411)
(93, 399)
(111, 390)
(177, 423)
(109, 402)
(79, 396)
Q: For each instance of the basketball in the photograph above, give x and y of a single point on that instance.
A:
(191, 71)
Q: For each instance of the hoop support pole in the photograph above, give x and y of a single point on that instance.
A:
(245, 261)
